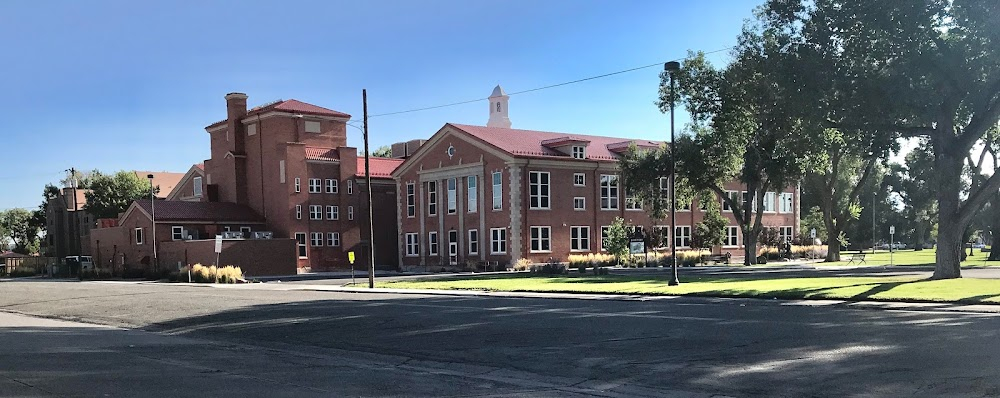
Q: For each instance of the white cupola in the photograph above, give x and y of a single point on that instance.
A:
(498, 109)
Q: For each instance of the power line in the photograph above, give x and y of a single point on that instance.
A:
(537, 88)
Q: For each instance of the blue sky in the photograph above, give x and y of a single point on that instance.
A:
(115, 85)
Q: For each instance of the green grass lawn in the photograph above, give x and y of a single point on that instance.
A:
(848, 288)
(912, 258)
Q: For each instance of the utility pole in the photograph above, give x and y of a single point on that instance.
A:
(368, 188)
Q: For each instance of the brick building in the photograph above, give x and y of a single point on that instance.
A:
(493, 193)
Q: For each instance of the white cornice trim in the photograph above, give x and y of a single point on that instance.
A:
(447, 132)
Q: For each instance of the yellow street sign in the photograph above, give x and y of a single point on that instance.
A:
(350, 257)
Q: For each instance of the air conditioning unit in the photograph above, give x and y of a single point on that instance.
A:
(234, 235)
(263, 235)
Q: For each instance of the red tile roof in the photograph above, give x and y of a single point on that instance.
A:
(290, 106)
(200, 166)
(529, 143)
(321, 153)
(176, 210)
(165, 180)
(380, 167)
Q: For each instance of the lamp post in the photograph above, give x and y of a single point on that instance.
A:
(152, 205)
(671, 68)
(874, 194)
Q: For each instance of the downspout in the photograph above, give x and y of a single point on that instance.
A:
(525, 204)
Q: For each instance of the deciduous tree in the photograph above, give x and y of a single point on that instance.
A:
(111, 195)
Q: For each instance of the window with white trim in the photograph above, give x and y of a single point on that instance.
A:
(579, 239)
(316, 239)
(350, 213)
(315, 185)
(412, 245)
(452, 187)
(785, 234)
(331, 185)
(497, 190)
(732, 237)
(473, 241)
(312, 126)
(579, 180)
(298, 212)
(664, 187)
(732, 195)
(541, 239)
(785, 205)
(633, 203)
(432, 198)
(609, 192)
(580, 203)
(245, 230)
(315, 212)
(498, 240)
(682, 236)
(432, 243)
(538, 182)
(472, 182)
(196, 187)
(333, 239)
(300, 244)
(298, 185)
(751, 200)
(332, 212)
(177, 232)
(579, 152)
(411, 200)
(663, 233)
(604, 237)
(769, 202)
(350, 187)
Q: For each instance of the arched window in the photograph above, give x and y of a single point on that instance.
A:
(498, 107)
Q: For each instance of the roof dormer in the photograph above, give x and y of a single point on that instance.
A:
(574, 147)
(622, 146)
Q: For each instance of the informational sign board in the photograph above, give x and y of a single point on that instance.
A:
(812, 233)
(218, 244)
(636, 246)
(892, 230)
(350, 257)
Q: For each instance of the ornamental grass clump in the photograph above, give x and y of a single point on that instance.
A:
(210, 274)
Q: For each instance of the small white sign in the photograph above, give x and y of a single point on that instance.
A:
(218, 243)
(812, 233)
(892, 230)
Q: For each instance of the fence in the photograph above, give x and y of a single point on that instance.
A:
(35, 265)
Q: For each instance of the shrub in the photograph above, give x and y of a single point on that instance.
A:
(553, 267)
(522, 264)
(210, 274)
(22, 272)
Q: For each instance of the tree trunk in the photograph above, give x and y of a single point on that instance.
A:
(918, 234)
(832, 250)
(750, 249)
(995, 229)
(949, 250)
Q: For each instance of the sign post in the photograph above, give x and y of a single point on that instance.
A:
(812, 235)
(218, 248)
(350, 257)
(892, 242)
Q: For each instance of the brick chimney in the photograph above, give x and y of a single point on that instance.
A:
(236, 109)
(236, 188)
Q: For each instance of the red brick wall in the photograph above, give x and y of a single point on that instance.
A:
(265, 257)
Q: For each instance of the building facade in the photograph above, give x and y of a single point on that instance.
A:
(474, 194)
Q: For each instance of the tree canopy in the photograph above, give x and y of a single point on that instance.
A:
(18, 226)
(110, 195)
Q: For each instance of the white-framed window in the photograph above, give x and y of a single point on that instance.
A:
(663, 232)
(432, 243)
(298, 185)
(684, 206)
(350, 213)
(177, 232)
(333, 239)
(281, 172)
(412, 245)
(498, 240)
(785, 205)
(298, 212)
(664, 187)
(702, 204)
(452, 187)
(315, 212)
(497, 190)
(227, 228)
(245, 230)
(579, 152)
(300, 244)
(350, 187)
(609, 192)
(538, 182)
(315, 185)
(579, 239)
(472, 182)
(473, 241)
(312, 126)
(579, 180)
(580, 203)
(751, 200)
(682, 236)
(732, 195)
(196, 187)
(769, 202)
(541, 239)
(785, 234)
(252, 129)
(732, 237)
(333, 212)
(633, 203)
(604, 237)
(316, 239)
(432, 198)
(331, 185)
(411, 200)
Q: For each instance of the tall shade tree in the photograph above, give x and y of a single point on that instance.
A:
(913, 182)
(383, 151)
(110, 195)
(913, 68)
(17, 226)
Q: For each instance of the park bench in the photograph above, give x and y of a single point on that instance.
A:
(716, 258)
(857, 257)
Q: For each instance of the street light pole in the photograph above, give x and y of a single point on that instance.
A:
(368, 188)
(874, 193)
(671, 68)
(152, 205)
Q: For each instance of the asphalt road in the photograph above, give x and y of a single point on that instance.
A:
(266, 340)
